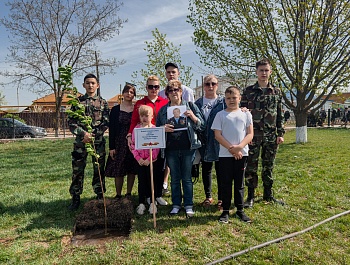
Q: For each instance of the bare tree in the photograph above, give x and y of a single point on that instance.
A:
(308, 43)
(47, 34)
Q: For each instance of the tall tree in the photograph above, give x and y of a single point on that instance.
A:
(159, 52)
(308, 43)
(48, 34)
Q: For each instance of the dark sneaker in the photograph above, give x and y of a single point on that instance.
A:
(224, 218)
(241, 215)
(128, 196)
(268, 196)
(249, 203)
(250, 198)
(273, 199)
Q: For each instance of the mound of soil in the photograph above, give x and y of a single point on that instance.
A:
(92, 217)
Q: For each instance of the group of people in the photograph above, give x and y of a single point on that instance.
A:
(337, 116)
(230, 132)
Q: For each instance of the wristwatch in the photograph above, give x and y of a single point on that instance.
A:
(127, 136)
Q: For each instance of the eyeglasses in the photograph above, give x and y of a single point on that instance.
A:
(174, 90)
(210, 83)
(155, 87)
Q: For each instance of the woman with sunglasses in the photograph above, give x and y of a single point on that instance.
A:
(156, 103)
(181, 145)
(210, 104)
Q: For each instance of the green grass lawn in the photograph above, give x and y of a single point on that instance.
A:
(312, 178)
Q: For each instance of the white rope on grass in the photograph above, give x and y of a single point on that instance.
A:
(234, 255)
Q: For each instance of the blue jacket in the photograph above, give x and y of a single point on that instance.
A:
(210, 151)
(192, 127)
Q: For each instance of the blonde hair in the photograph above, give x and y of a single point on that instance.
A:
(210, 77)
(144, 110)
(152, 78)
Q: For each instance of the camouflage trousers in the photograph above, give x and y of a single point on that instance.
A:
(268, 151)
(79, 157)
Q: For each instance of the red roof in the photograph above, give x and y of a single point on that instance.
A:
(338, 98)
(50, 99)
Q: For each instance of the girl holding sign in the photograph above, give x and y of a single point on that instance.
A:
(142, 156)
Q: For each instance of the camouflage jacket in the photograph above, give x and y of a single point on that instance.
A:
(95, 107)
(265, 105)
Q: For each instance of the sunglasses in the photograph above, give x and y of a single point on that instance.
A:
(174, 90)
(212, 83)
(130, 84)
(155, 87)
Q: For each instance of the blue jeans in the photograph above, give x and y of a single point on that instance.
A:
(180, 164)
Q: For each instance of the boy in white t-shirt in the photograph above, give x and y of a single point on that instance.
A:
(233, 129)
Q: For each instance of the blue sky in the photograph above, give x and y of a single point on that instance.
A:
(143, 17)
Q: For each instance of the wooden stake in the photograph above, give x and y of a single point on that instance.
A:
(152, 187)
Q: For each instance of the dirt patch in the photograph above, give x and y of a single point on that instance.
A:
(90, 227)
(98, 237)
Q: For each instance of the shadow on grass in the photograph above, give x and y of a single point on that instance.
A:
(43, 215)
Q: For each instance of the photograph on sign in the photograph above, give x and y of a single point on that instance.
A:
(146, 138)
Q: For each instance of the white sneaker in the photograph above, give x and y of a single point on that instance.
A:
(161, 201)
(174, 211)
(141, 209)
(151, 208)
(189, 212)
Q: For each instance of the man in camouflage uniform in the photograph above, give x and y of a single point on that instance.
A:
(97, 108)
(265, 103)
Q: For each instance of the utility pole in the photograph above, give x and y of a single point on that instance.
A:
(17, 99)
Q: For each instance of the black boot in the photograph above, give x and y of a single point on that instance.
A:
(75, 203)
(269, 197)
(250, 198)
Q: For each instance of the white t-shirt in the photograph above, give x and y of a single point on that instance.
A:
(208, 104)
(187, 94)
(233, 126)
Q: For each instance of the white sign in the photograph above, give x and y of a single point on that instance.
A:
(146, 138)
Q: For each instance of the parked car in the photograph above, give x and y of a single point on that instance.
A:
(10, 128)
